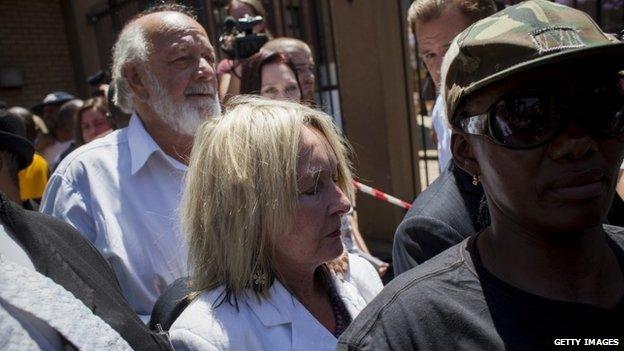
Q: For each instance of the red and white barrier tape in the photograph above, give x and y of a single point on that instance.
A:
(381, 195)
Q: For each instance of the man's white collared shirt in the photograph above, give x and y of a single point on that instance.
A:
(122, 192)
(443, 133)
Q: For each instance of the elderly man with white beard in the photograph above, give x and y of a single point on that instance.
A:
(122, 191)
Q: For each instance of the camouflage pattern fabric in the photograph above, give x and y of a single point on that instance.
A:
(531, 34)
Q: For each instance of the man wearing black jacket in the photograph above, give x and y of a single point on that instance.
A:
(56, 250)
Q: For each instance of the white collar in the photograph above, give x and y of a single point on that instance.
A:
(277, 309)
(283, 308)
(142, 146)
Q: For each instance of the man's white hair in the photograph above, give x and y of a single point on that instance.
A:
(131, 46)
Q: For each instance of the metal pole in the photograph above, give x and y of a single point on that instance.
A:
(422, 113)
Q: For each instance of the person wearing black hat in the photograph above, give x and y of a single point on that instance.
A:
(33, 179)
(16, 153)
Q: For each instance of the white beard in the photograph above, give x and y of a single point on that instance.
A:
(183, 118)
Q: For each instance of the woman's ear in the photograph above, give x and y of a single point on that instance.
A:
(463, 154)
(136, 83)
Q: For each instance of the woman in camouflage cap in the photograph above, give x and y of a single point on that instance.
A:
(535, 96)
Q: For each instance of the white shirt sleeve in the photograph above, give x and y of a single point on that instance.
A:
(64, 201)
(443, 133)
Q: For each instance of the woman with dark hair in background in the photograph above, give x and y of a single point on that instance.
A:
(271, 75)
(274, 76)
(92, 120)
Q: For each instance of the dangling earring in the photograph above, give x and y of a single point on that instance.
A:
(475, 180)
(259, 278)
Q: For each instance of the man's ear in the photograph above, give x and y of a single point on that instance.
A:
(463, 154)
(136, 83)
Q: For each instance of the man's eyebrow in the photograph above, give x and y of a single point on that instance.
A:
(177, 47)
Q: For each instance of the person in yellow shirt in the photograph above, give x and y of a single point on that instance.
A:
(33, 179)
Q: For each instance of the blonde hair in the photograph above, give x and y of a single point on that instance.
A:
(241, 190)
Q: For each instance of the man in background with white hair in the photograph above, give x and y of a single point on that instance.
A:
(122, 191)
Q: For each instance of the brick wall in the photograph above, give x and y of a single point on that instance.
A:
(33, 39)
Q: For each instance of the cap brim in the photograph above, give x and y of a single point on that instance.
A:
(38, 108)
(603, 57)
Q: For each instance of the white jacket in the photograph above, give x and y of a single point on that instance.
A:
(279, 323)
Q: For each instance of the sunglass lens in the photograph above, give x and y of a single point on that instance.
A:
(523, 120)
(608, 105)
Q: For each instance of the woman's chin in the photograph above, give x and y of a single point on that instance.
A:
(336, 251)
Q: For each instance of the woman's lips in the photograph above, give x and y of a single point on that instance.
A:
(580, 192)
(579, 185)
(334, 233)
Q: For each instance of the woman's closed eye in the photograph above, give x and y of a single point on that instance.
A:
(317, 184)
(312, 191)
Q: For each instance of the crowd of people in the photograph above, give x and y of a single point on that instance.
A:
(203, 205)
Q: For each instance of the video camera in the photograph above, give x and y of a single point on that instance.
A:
(239, 41)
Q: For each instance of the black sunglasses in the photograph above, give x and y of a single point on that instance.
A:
(531, 117)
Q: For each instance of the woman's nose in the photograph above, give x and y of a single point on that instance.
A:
(342, 204)
(573, 143)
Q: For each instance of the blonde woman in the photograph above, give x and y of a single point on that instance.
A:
(266, 186)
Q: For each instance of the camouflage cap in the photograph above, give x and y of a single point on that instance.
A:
(533, 34)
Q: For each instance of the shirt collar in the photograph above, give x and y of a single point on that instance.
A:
(142, 146)
(280, 307)
(283, 308)
(275, 310)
